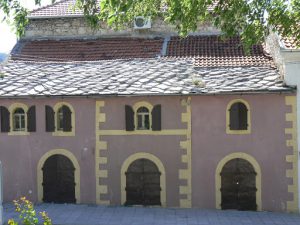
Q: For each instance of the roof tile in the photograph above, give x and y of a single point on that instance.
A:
(65, 8)
(133, 77)
(289, 43)
(208, 51)
(88, 50)
(212, 51)
(61, 8)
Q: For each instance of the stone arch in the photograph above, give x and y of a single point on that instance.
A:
(158, 163)
(257, 169)
(41, 162)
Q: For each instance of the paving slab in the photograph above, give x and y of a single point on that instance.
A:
(70, 214)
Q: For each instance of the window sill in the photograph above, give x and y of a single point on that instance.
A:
(18, 133)
(238, 131)
(63, 133)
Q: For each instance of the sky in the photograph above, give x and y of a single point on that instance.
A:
(7, 36)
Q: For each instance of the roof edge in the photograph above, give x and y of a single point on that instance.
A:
(47, 6)
(55, 17)
(292, 90)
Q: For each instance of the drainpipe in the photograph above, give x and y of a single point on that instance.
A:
(291, 60)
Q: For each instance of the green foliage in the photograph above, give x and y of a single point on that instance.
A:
(15, 15)
(251, 19)
(27, 213)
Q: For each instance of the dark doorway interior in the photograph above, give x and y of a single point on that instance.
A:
(238, 187)
(143, 183)
(58, 180)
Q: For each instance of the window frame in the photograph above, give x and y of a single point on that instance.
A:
(143, 117)
(12, 108)
(20, 117)
(228, 130)
(61, 132)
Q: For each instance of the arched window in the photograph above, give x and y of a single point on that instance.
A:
(63, 119)
(19, 120)
(60, 119)
(238, 116)
(143, 118)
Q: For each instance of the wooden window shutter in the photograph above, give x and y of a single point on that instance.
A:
(243, 117)
(156, 118)
(129, 118)
(238, 116)
(4, 114)
(49, 119)
(234, 117)
(31, 119)
(67, 119)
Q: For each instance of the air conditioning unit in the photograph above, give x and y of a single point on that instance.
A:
(141, 22)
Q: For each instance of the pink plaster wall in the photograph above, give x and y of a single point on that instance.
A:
(166, 148)
(266, 143)
(210, 143)
(20, 154)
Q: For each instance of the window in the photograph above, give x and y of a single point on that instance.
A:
(238, 117)
(143, 116)
(143, 119)
(60, 119)
(19, 120)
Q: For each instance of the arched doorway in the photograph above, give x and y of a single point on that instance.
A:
(58, 180)
(143, 183)
(238, 185)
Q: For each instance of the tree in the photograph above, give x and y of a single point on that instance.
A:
(252, 20)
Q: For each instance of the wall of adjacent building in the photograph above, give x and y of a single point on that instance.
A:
(79, 28)
(288, 62)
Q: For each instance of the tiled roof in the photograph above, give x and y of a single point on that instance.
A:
(212, 51)
(88, 50)
(63, 8)
(133, 77)
(208, 51)
(289, 43)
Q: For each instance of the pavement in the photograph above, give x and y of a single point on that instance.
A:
(69, 214)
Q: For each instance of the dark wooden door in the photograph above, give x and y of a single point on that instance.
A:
(238, 187)
(143, 183)
(58, 180)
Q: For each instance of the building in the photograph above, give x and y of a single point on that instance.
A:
(143, 117)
